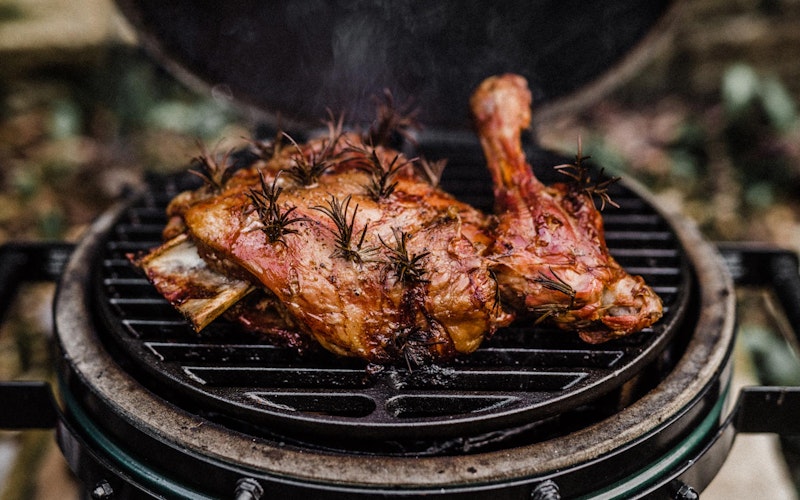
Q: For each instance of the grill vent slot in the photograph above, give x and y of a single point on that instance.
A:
(325, 403)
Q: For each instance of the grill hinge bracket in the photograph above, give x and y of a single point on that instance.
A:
(768, 409)
(27, 405)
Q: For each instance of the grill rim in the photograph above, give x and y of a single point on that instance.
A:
(100, 383)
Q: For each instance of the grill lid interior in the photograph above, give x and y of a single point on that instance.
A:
(296, 60)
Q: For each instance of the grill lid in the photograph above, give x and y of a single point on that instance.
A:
(523, 375)
(296, 60)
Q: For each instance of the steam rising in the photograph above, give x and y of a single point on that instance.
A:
(297, 59)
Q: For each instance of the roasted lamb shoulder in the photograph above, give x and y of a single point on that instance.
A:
(366, 256)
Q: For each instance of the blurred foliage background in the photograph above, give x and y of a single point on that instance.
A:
(710, 125)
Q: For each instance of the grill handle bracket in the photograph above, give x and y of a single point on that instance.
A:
(29, 262)
(28, 404)
(768, 410)
(771, 409)
(757, 264)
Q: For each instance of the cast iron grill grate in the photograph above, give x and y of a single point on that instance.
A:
(522, 375)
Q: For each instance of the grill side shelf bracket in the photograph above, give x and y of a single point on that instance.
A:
(768, 409)
(757, 264)
(29, 262)
(772, 409)
(28, 404)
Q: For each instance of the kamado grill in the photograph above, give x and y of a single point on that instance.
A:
(148, 408)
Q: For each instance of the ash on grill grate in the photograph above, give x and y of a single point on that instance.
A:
(521, 382)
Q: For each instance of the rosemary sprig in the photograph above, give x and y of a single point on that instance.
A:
(335, 127)
(432, 169)
(346, 246)
(306, 170)
(380, 185)
(392, 119)
(414, 344)
(214, 173)
(268, 149)
(275, 221)
(407, 267)
(582, 182)
(545, 311)
(557, 284)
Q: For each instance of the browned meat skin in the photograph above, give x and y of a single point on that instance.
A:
(366, 303)
(549, 248)
(261, 313)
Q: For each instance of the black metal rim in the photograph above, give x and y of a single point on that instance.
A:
(116, 467)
